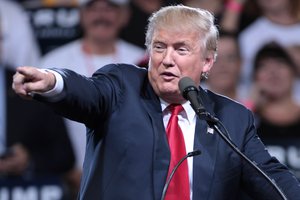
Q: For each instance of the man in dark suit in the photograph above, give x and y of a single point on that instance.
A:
(126, 111)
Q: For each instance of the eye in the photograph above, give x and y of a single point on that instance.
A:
(158, 47)
(182, 51)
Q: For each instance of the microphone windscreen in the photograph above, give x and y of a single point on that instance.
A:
(184, 83)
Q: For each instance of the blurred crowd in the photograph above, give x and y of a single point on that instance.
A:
(258, 65)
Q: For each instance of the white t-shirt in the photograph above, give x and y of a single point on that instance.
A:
(71, 56)
(259, 33)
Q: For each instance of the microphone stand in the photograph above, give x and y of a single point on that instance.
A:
(213, 122)
(190, 154)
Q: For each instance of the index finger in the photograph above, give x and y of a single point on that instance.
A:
(27, 71)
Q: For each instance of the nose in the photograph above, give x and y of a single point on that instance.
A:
(168, 59)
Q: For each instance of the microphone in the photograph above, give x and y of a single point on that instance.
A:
(190, 92)
(190, 154)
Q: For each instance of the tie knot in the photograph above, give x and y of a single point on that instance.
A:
(175, 108)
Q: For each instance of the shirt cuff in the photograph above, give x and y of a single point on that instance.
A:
(55, 93)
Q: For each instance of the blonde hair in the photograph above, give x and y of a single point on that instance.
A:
(185, 18)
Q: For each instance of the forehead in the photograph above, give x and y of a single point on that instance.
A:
(176, 36)
(273, 64)
(101, 4)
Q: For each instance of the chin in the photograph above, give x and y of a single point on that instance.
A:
(172, 96)
(169, 90)
(173, 99)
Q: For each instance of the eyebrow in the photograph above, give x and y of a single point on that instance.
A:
(179, 43)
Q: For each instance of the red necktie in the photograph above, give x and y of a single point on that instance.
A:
(179, 188)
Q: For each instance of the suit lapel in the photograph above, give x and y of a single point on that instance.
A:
(207, 142)
(161, 153)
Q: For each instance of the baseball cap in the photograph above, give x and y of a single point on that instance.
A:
(115, 2)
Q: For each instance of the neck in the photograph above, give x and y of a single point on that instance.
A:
(283, 111)
(98, 47)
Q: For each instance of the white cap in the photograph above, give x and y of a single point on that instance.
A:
(116, 2)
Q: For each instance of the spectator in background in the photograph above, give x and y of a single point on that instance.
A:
(101, 22)
(34, 143)
(224, 77)
(279, 22)
(278, 115)
(19, 43)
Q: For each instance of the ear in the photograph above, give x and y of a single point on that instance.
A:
(208, 62)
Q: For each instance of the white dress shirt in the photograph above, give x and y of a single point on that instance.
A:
(187, 123)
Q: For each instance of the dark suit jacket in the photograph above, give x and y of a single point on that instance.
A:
(40, 130)
(127, 153)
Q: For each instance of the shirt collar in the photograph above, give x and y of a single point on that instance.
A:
(189, 111)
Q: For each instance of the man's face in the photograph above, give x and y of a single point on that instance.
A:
(274, 78)
(224, 76)
(174, 55)
(102, 20)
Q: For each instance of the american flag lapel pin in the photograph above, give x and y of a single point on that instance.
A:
(210, 130)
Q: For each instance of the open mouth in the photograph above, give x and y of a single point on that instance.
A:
(168, 75)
